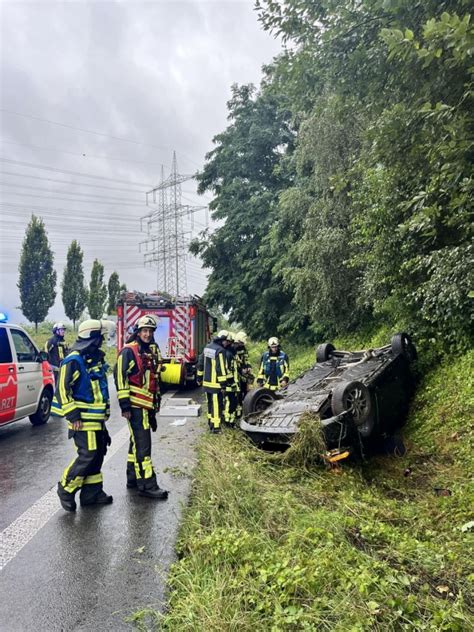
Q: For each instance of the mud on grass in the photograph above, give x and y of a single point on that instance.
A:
(266, 545)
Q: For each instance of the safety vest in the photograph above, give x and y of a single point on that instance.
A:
(143, 383)
(90, 393)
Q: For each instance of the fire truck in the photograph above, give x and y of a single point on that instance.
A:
(184, 328)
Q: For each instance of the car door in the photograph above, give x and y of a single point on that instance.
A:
(8, 379)
(29, 373)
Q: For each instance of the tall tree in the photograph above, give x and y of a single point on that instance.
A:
(74, 292)
(97, 294)
(114, 289)
(244, 173)
(37, 280)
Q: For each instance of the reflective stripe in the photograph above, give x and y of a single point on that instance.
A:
(91, 440)
(94, 479)
(74, 485)
(87, 426)
(146, 421)
(147, 466)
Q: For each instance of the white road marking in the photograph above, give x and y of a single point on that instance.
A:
(14, 537)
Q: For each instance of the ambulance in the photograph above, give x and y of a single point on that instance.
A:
(26, 377)
(184, 328)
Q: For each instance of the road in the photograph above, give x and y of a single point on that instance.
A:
(88, 570)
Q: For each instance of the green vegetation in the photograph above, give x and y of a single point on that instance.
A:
(343, 185)
(37, 278)
(277, 544)
(97, 293)
(74, 291)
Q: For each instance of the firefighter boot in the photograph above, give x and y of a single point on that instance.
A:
(101, 498)
(66, 499)
(154, 492)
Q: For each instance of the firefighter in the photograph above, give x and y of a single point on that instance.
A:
(82, 396)
(137, 375)
(232, 386)
(212, 373)
(244, 369)
(274, 372)
(56, 348)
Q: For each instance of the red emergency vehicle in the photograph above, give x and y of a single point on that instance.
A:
(184, 328)
(26, 378)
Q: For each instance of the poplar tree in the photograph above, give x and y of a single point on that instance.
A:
(97, 295)
(74, 292)
(114, 289)
(37, 280)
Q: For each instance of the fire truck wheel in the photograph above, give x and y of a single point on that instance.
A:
(43, 411)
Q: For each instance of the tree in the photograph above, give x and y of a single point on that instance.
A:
(114, 289)
(74, 292)
(244, 173)
(37, 278)
(97, 294)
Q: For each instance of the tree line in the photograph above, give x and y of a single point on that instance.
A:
(343, 184)
(37, 280)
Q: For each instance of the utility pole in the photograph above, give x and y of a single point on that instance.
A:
(166, 245)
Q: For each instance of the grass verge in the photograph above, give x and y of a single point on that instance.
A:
(269, 545)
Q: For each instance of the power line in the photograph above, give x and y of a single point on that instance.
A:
(71, 153)
(61, 199)
(74, 173)
(77, 184)
(103, 197)
(88, 131)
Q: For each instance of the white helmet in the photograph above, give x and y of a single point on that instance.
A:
(92, 328)
(57, 326)
(223, 334)
(240, 336)
(148, 320)
(273, 341)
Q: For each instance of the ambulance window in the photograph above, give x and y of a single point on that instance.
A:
(5, 351)
(25, 351)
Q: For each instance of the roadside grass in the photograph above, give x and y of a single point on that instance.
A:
(45, 332)
(274, 544)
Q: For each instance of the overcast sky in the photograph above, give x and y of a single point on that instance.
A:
(110, 89)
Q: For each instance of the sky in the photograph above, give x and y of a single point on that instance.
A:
(94, 98)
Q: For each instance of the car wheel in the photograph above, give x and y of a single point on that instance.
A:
(324, 352)
(353, 397)
(43, 411)
(402, 345)
(258, 400)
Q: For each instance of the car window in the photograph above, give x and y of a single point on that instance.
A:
(25, 350)
(5, 351)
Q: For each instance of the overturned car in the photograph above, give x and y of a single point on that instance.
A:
(358, 397)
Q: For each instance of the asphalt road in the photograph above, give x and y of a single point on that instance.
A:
(89, 570)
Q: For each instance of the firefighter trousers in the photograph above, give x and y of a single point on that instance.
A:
(215, 409)
(230, 407)
(140, 470)
(83, 473)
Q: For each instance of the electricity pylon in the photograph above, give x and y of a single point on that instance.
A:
(166, 245)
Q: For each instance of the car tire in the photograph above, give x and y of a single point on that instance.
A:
(43, 411)
(402, 345)
(258, 399)
(324, 352)
(354, 397)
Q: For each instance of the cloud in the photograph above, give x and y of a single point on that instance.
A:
(157, 73)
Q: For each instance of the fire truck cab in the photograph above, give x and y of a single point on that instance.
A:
(26, 378)
(184, 328)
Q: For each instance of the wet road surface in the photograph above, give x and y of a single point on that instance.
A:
(88, 570)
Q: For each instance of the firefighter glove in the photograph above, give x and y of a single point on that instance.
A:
(152, 422)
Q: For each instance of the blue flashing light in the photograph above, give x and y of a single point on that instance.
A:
(3, 317)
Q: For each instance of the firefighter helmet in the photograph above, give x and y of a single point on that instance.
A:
(223, 334)
(92, 328)
(240, 336)
(273, 341)
(148, 320)
(58, 326)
